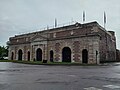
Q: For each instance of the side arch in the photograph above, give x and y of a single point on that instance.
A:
(28, 55)
(84, 56)
(51, 55)
(12, 56)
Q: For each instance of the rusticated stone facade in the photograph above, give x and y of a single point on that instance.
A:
(82, 43)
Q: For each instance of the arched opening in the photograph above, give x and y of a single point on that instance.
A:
(12, 56)
(85, 56)
(39, 54)
(66, 54)
(28, 57)
(20, 55)
(51, 56)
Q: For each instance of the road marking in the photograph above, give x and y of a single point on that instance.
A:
(92, 88)
(112, 86)
(72, 75)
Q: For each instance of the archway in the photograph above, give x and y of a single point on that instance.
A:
(39, 54)
(20, 55)
(66, 54)
(28, 57)
(12, 56)
(51, 56)
(85, 56)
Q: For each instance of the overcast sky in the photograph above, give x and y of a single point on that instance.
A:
(23, 16)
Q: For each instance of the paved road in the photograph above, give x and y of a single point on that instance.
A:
(15, 76)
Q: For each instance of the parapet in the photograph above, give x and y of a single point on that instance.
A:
(112, 32)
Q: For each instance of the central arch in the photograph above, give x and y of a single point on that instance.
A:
(51, 56)
(66, 54)
(84, 56)
(20, 55)
(39, 54)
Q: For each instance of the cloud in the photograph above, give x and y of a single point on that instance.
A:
(28, 15)
(5, 18)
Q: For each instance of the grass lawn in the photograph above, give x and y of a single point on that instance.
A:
(48, 63)
(6, 60)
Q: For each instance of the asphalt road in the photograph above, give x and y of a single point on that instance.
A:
(14, 76)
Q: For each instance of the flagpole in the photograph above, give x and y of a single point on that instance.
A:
(83, 17)
(104, 19)
(105, 34)
(55, 22)
(47, 27)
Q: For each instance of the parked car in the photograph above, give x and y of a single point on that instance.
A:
(5, 58)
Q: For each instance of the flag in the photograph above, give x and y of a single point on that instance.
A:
(83, 16)
(55, 22)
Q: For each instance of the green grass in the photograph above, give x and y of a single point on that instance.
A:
(48, 63)
(51, 63)
(6, 60)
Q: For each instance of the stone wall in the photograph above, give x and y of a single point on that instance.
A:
(76, 45)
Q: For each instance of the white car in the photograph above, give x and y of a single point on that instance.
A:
(6, 58)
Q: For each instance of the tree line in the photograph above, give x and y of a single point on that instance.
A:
(3, 51)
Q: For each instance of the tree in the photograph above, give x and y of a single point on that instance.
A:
(3, 51)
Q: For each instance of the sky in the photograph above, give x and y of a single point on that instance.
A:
(24, 16)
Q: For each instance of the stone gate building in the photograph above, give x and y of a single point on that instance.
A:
(83, 43)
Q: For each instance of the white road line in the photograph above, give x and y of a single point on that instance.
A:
(72, 75)
(92, 88)
(112, 86)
